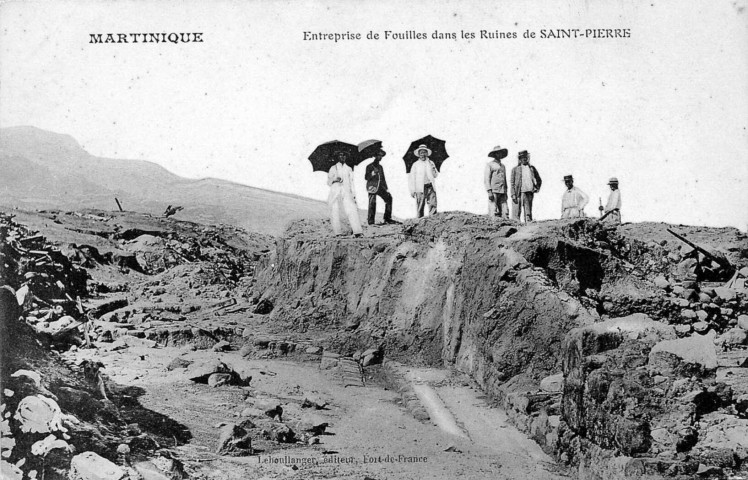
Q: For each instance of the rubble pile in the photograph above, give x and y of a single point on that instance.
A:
(49, 285)
(58, 417)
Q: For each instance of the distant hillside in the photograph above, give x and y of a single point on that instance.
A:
(42, 169)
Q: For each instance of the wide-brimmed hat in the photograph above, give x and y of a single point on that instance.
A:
(498, 152)
(613, 180)
(523, 154)
(422, 147)
(568, 177)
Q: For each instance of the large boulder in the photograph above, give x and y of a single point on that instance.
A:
(91, 466)
(39, 414)
(696, 350)
(200, 372)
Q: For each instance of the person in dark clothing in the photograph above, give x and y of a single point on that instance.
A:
(377, 185)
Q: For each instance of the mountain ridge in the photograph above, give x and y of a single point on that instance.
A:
(48, 169)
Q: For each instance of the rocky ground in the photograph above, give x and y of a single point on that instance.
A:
(454, 346)
(187, 375)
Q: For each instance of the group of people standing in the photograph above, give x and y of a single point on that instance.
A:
(342, 194)
(525, 183)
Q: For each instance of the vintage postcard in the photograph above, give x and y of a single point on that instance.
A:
(373, 239)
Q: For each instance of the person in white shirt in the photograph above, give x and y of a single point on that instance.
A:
(573, 201)
(340, 180)
(613, 207)
(421, 181)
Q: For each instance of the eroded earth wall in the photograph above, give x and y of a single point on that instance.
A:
(519, 308)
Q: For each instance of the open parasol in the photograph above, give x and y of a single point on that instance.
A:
(437, 147)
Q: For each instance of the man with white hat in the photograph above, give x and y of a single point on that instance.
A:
(340, 181)
(421, 181)
(613, 208)
(573, 201)
(494, 178)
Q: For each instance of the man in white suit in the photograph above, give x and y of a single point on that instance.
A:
(421, 181)
(340, 180)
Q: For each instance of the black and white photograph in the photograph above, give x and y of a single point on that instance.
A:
(373, 240)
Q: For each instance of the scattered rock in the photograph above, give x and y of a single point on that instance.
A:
(661, 282)
(733, 337)
(553, 383)
(725, 294)
(200, 372)
(178, 363)
(220, 379)
(371, 357)
(90, 466)
(743, 322)
(683, 329)
(252, 412)
(275, 413)
(698, 349)
(315, 403)
(222, 346)
(700, 327)
(681, 302)
(246, 351)
(688, 314)
(43, 447)
(264, 307)
(234, 441)
(39, 414)
(690, 294)
(704, 298)
(708, 471)
(281, 433)
(313, 424)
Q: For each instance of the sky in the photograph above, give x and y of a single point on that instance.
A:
(665, 111)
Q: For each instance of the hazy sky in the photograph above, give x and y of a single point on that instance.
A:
(666, 111)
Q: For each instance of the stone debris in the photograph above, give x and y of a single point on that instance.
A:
(313, 424)
(39, 414)
(90, 466)
(202, 371)
(234, 441)
(697, 349)
(642, 390)
(553, 383)
(50, 442)
(371, 356)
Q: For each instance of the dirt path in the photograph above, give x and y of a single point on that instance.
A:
(371, 435)
(461, 411)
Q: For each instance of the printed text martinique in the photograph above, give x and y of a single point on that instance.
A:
(146, 37)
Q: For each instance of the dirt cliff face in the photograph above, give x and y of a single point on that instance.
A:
(511, 304)
(454, 289)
